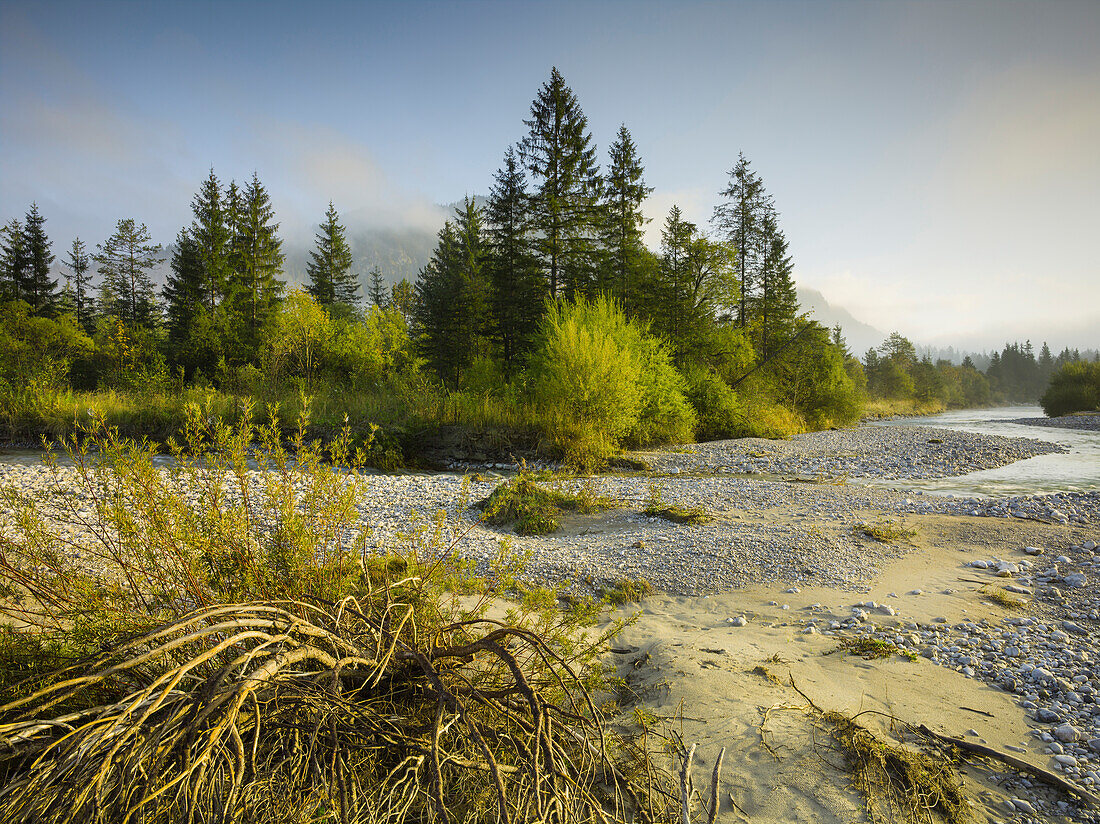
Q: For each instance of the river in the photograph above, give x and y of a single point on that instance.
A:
(1075, 471)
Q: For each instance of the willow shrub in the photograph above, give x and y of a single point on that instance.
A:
(600, 380)
(1073, 388)
(210, 639)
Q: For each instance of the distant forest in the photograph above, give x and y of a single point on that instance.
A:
(541, 318)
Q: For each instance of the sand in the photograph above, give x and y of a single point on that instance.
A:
(691, 667)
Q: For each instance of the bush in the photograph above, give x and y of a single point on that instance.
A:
(1073, 388)
(217, 616)
(718, 410)
(599, 378)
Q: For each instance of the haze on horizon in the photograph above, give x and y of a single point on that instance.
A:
(935, 164)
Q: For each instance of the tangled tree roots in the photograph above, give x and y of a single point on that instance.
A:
(307, 712)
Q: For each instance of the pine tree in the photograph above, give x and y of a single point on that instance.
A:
(330, 279)
(518, 286)
(39, 290)
(739, 219)
(449, 314)
(77, 282)
(377, 293)
(624, 192)
(14, 261)
(257, 259)
(564, 205)
(185, 291)
(775, 306)
(211, 236)
(125, 259)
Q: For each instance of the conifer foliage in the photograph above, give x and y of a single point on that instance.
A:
(77, 282)
(125, 260)
(561, 159)
(331, 282)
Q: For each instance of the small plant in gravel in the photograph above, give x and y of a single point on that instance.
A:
(885, 531)
(657, 507)
(870, 648)
(1003, 597)
(534, 508)
(625, 591)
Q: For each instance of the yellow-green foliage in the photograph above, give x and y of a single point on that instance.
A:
(625, 591)
(1073, 388)
(1006, 599)
(599, 379)
(885, 531)
(534, 508)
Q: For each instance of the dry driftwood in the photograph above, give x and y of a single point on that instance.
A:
(685, 786)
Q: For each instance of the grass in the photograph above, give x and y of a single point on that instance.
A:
(885, 531)
(534, 509)
(1003, 597)
(876, 408)
(657, 507)
(870, 648)
(624, 591)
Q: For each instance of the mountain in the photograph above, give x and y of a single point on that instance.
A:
(860, 336)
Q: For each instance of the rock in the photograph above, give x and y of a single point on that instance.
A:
(1066, 760)
(810, 630)
(1076, 580)
(1047, 716)
(1067, 733)
(1094, 744)
(1034, 550)
(739, 621)
(1024, 806)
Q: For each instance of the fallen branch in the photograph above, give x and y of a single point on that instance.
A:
(1046, 776)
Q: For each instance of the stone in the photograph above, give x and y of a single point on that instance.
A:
(1047, 716)
(739, 621)
(1067, 733)
(1076, 580)
(1033, 550)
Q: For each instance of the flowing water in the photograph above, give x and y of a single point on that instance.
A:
(1075, 471)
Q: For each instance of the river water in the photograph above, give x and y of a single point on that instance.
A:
(1075, 471)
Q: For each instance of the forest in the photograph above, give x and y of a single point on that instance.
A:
(542, 324)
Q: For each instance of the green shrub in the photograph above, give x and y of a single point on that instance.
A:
(599, 379)
(533, 508)
(718, 410)
(1073, 388)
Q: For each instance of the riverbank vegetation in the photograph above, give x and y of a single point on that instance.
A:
(218, 644)
(541, 325)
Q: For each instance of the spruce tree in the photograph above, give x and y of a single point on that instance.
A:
(211, 236)
(14, 261)
(257, 259)
(330, 279)
(624, 192)
(125, 260)
(39, 289)
(449, 314)
(518, 286)
(377, 291)
(185, 293)
(776, 301)
(557, 151)
(77, 281)
(739, 220)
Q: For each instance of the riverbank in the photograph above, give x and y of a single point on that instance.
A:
(783, 572)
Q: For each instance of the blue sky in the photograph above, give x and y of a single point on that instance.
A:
(935, 163)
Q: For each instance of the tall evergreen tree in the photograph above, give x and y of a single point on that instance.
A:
(185, 292)
(518, 286)
(377, 290)
(211, 236)
(77, 282)
(739, 220)
(776, 302)
(258, 259)
(557, 151)
(125, 260)
(449, 314)
(39, 289)
(14, 261)
(624, 192)
(330, 279)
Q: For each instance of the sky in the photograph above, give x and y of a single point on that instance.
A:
(936, 165)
